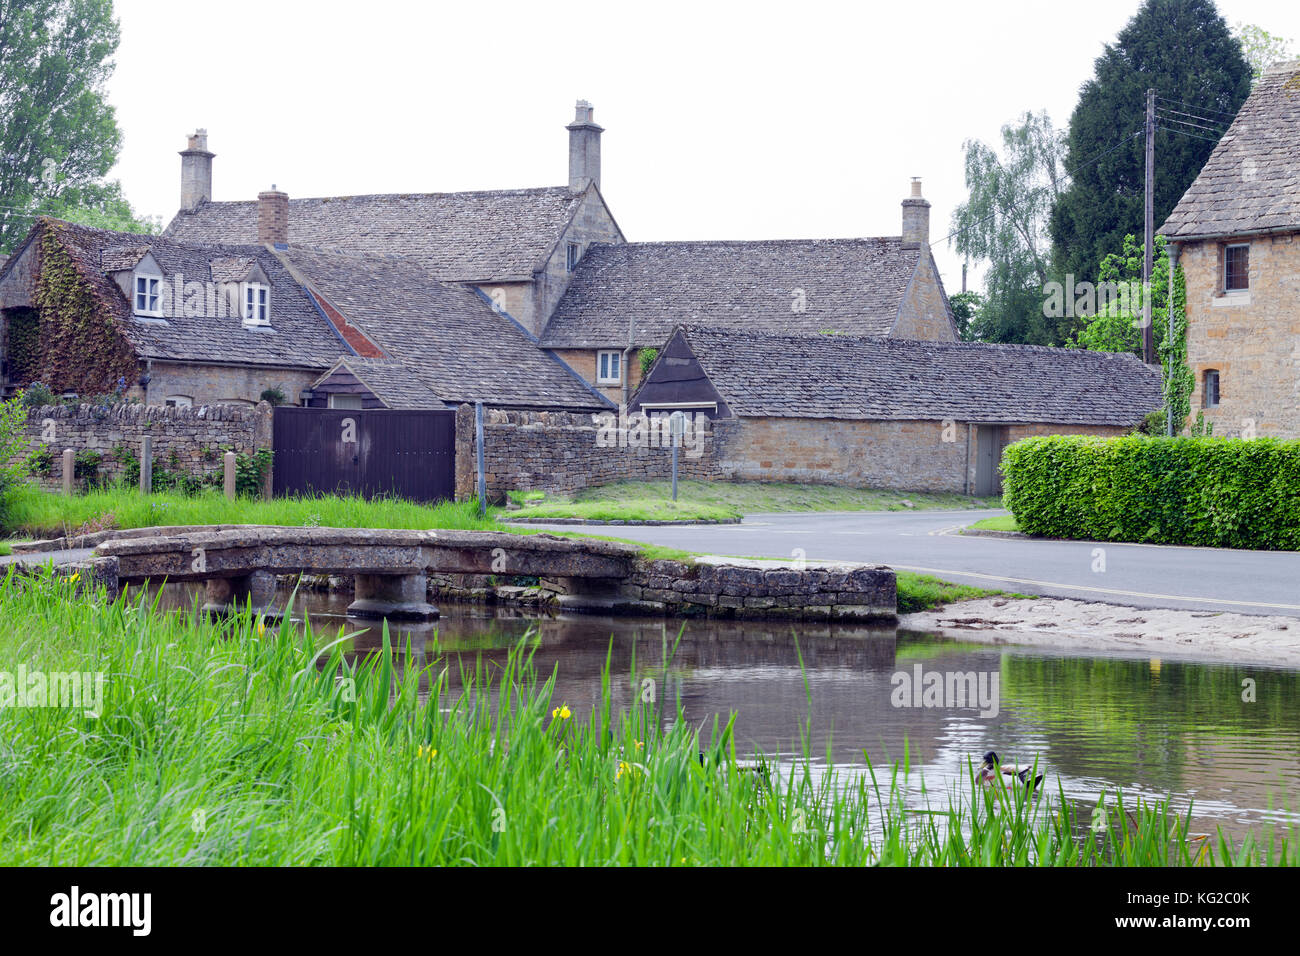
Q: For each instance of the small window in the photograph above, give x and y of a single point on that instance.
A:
(338, 400)
(609, 369)
(257, 304)
(148, 295)
(575, 253)
(1236, 269)
(1210, 389)
(179, 401)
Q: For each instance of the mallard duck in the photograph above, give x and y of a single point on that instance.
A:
(989, 773)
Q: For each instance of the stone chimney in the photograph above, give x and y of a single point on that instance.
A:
(584, 148)
(196, 171)
(273, 216)
(916, 217)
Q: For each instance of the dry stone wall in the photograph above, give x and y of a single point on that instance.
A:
(189, 440)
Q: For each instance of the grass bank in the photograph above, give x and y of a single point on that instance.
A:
(750, 497)
(921, 592)
(632, 509)
(233, 744)
(999, 523)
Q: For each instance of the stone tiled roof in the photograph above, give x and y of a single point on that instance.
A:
(231, 268)
(853, 286)
(394, 383)
(1251, 182)
(833, 376)
(447, 335)
(120, 258)
(497, 235)
(298, 336)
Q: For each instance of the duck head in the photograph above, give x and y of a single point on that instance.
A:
(990, 760)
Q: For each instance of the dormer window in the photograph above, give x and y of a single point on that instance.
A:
(148, 295)
(575, 253)
(257, 304)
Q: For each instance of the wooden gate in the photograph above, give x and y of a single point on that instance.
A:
(371, 453)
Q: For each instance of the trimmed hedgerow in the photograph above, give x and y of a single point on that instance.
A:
(1214, 492)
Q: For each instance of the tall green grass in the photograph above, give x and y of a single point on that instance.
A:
(33, 511)
(237, 742)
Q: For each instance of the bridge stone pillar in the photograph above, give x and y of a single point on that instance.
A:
(226, 594)
(399, 597)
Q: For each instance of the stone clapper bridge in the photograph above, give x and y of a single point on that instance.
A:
(390, 569)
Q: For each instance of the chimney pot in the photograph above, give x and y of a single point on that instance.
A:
(196, 170)
(584, 148)
(273, 217)
(916, 217)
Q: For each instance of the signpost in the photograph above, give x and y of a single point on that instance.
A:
(676, 426)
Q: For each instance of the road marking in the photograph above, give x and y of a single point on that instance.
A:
(1080, 587)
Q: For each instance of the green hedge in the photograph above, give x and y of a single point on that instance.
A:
(1216, 492)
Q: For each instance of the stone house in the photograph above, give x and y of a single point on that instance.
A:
(555, 261)
(887, 412)
(628, 297)
(90, 311)
(1236, 233)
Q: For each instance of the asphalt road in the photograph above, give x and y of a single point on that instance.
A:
(1213, 579)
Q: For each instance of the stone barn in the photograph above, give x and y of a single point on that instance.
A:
(888, 413)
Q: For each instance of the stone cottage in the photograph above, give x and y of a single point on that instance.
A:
(887, 412)
(1236, 233)
(554, 260)
(90, 311)
(627, 297)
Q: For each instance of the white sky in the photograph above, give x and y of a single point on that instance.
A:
(723, 121)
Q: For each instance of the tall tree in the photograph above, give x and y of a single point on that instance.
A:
(1004, 223)
(59, 136)
(1261, 48)
(1184, 51)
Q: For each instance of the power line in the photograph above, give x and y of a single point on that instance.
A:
(1199, 124)
(1207, 129)
(1182, 132)
(1198, 109)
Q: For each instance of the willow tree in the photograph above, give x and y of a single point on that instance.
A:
(1003, 223)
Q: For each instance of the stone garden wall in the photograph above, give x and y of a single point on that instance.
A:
(564, 452)
(188, 440)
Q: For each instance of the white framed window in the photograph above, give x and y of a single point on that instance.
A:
(148, 295)
(341, 400)
(257, 304)
(179, 401)
(609, 367)
(1210, 389)
(574, 254)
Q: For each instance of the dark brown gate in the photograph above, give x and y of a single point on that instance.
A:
(372, 453)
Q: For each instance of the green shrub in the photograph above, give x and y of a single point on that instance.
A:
(37, 394)
(1213, 492)
(40, 463)
(274, 396)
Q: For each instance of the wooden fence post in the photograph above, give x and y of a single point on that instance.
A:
(69, 468)
(229, 477)
(146, 464)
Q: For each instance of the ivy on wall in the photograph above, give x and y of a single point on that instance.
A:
(80, 347)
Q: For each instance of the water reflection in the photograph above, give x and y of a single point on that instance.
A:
(1097, 722)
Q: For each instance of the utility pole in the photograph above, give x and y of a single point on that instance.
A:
(1148, 331)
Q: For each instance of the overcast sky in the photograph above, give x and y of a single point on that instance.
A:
(723, 121)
